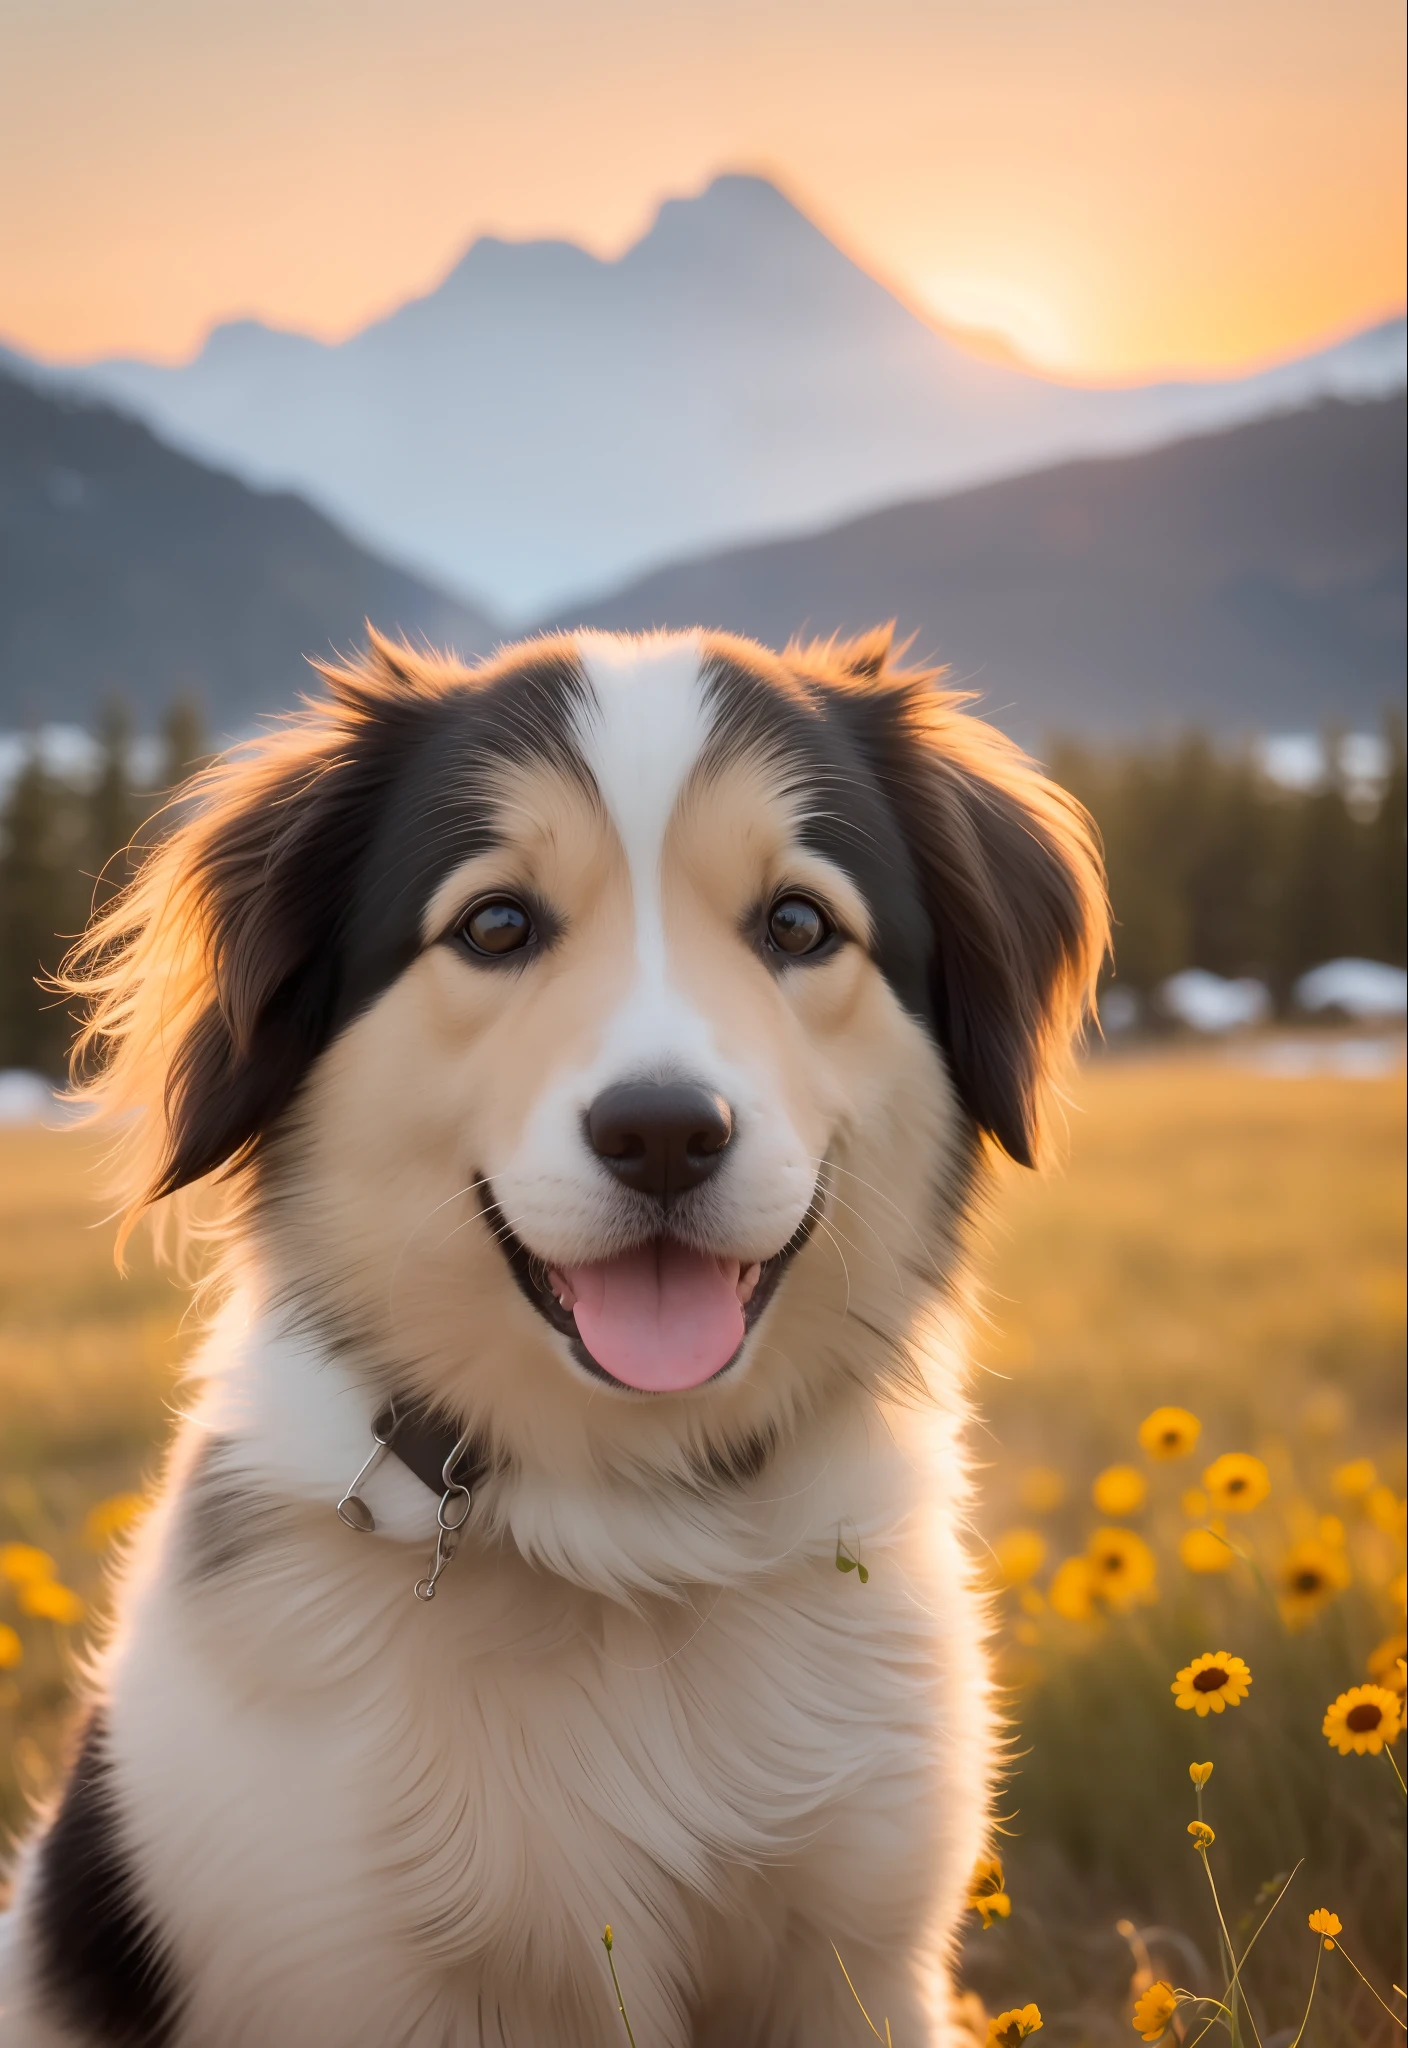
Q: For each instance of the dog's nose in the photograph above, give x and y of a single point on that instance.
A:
(661, 1139)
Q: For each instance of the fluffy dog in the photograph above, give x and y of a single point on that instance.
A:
(596, 1051)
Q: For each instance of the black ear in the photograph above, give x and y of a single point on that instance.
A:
(1014, 891)
(270, 863)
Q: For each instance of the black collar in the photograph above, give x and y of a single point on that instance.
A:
(424, 1439)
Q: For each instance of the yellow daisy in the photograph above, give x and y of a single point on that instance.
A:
(1212, 1682)
(1153, 2010)
(1385, 1658)
(1020, 1554)
(987, 1895)
(47, 1600)
(21, 1562)
(1363, 1720)
(1169, 1433)
(1202, 1550)
(11, 1648)
(1122, 1567)
(1200, 1773)
(1354, 1480)
(1071, 1592)
(1203, 1836)
(108, 1518)
(1323, 1921)
(1386, 1511)
(1119, 1490)
(1010, 2028)
(1309, 1576)
(1237, 1481)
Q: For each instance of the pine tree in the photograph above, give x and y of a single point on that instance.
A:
(42, 907)
(113, 812)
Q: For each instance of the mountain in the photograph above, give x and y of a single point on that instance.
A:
(1246, 580)
(128, 568)
(545, 422)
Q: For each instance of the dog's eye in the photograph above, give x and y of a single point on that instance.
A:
(797, 926)
(497, 925)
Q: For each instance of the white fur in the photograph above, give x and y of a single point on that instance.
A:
(364, 1820)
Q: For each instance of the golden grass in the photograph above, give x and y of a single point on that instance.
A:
(1216, 1238)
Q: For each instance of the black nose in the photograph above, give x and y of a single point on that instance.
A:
(660, 1139)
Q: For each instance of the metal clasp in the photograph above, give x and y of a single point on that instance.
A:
(352, 1509)
(450, 1517)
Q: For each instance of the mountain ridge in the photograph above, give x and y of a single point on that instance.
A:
(546, 420)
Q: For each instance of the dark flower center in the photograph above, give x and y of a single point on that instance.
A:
(1364, 1717)
(1307, 1582)
(1235, 1485)
(1211, 1680)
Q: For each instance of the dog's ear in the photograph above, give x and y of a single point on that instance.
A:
(211, 985)
(1012, 882)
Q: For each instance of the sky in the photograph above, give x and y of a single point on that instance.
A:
(1120, 188)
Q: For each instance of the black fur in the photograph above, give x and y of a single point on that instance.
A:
(102, 1964)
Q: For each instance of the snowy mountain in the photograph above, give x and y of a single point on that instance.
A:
(545, 422)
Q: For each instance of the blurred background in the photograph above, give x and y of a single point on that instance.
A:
(1069, 337)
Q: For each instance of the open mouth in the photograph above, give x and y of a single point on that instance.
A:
(660, 1318)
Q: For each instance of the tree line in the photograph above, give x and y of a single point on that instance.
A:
(1211, 863)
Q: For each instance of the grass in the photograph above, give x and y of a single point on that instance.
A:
(1216, 1238)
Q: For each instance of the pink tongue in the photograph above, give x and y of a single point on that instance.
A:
(661, 1318)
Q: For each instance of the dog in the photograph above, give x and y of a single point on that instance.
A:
(594, 1059)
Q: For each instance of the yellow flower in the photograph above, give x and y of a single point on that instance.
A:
(1200, 1773)
(1119, 1490)
(1363, 1720)
(1071, 1592)
(1010, 2028)
(1031, 1602)
(1203, 1836)
(1211, 1682)
(1203, 1551)
(1021, 1553)
(108, 1518)
(1121, 1567)
(11, 1648)
(1154, 2009)
(1354, 1480)
(1237, 1481)
(1169, 1432)
(986, 1895)
(1195, 1504)
(1331, 1531)
(1398, 1590)
(1041, 1489)
(1386, 1511)
(47, 1600)
(21, 1562)
(1385, 1657)
(1323, 1921)
(1310, 1575)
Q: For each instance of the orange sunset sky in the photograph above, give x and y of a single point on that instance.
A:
(1121, 187)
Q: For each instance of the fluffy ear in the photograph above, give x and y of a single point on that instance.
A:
(1014, 888)
(211, 984)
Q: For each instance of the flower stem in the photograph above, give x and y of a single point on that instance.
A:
(1370, 1989)
(856, 1996)
(1393, 1766)
(620, 2001)
(1236, 1995)
(1315, 1979)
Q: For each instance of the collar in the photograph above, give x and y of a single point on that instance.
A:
(447, 1459)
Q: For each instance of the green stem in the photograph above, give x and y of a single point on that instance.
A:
(1315, 1979)
(1370, 1989)
(620, 2001)
(1393, 1765)
(1235, 1991)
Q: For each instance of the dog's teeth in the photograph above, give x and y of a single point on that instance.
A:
(565, 1297)
(747, 1281)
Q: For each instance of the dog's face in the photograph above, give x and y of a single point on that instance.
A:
(629, 1011)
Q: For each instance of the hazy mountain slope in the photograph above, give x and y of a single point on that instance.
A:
(1248, 579)
(127, 567)
(545, 422)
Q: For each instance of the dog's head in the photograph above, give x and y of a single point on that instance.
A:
(583, 1010)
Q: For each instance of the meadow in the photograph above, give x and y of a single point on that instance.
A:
(1214, 1239)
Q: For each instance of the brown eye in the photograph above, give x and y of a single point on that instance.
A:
(796, 926)
(496, 926)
